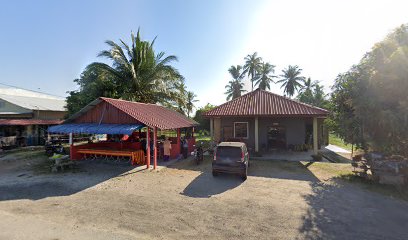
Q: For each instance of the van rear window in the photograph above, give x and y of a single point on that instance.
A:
(228, 152)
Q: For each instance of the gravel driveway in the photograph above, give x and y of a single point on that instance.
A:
(280, 200)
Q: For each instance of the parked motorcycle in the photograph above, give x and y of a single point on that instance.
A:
(198, 154)
(51, 148)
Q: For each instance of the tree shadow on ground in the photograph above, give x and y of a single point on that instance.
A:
(340, 210)
(335, 157)
(35, 187)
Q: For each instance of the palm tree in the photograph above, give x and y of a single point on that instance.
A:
(140, 73)
(308, 85)
(179, 97)
(235, 87)
(252, 65)
(236, 73)
(190, 97)
(264, 77)
(291, 80)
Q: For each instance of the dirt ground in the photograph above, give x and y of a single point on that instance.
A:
(280, 200)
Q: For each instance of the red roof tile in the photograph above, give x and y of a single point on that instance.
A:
(264, 103)
(151, 115)
(25, 122)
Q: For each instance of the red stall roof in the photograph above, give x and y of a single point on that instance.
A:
(116, 111)
(26, 122)
(264, 103)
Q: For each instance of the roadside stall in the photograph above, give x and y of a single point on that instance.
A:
(131, 131)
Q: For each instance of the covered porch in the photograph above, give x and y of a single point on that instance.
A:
(271, 134)
(269, 123)
(126, 129)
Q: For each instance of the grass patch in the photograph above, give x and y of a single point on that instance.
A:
(202, 138)
(387, 190)
(335, 140)
(324, 170)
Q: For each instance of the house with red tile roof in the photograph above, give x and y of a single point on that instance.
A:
(266, 121)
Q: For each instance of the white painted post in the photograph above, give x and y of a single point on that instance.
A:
(256, 135)
(212, 128)
(315, 137)
(70, 139)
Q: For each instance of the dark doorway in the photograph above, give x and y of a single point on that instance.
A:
(276, 137)
(227, 133)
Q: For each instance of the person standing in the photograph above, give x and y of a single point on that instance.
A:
(185, 148)
(166, 149)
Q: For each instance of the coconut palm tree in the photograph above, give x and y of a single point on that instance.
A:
(190, 97)
(235, 87)
(140, 73)
(291, 80)
(251, 67)
(264, 77)
(236, 72)
(308, 85)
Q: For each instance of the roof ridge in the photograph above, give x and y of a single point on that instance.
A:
(122, 100)
(293, 100)
(235, 99)
(263, 94)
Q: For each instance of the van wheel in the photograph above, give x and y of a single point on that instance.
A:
(214, 173)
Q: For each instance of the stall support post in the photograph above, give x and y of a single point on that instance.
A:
(178, 142)
(192, 133)
(155, 148)
(148, 148)
(71, 145)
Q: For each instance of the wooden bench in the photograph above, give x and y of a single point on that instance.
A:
(136, 157)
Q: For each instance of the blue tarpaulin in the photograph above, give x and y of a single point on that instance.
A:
(94, 128)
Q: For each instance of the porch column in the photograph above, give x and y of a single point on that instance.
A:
(256, 135)
(148, 147)
(212, 128)
(155, 148)
(315, 137)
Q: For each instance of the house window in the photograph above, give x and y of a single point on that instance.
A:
(241, 130)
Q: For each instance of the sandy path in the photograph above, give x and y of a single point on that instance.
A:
(185, 202)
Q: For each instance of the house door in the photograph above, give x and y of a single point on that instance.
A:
(276, 137)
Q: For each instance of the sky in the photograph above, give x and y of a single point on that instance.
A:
(45, 45)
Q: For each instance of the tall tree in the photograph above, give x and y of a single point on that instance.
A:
(190, 102)
(370, 100)
(251, 67)
(142, 75)
(264, 76)
(92, 84)
(306, 91)
(291, 80)
(235, 87)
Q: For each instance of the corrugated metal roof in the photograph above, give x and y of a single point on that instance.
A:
(32, 100)
(264, 103)
(94, 128)
(25, 122)
(151, 115)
